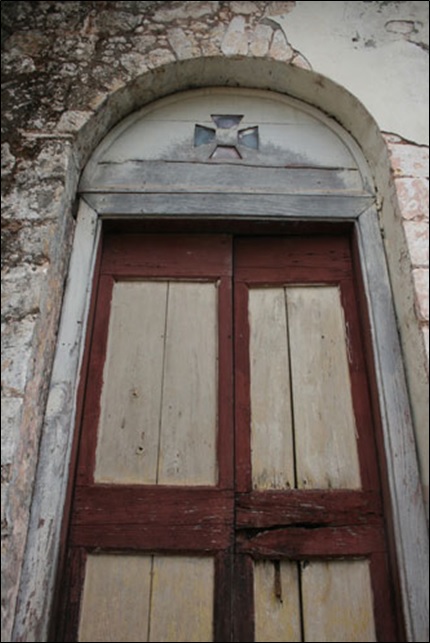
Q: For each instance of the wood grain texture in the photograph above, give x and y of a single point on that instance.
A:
(299, 542)
(296, 259)
(260, 509)
(115, 585)
(154, 518)
(277, 601)
(296, 206)
(182, 599)
(325, 429)
(272, 447)
(337, 601)
(168, 176)
(159, 399)
(167, 255)
(128, 435)
(188, 422)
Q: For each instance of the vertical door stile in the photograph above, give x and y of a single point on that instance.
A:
(94, 381)
(225, 439)
(242, 389)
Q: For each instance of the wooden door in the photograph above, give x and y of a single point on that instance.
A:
(227, 483)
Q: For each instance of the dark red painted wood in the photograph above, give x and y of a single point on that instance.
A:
(167, 255)
(148, 505)
(154, 538)
(296, 543)
(366, 444)
(91, 413)
(292, 259)
(225, 447)
(388, 622)
(243, 599)
(223, 597)
(329, 508)
(74, 583)
(242, 390)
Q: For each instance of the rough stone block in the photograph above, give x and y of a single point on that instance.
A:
(235, 41)
(245, 8)
(421, 282)
(17, 341)
(260, 40)
(11, 408)
(409, 160)
(181, 44)
(181, 12)
(280, 49)
(413, 196)
(417, 235)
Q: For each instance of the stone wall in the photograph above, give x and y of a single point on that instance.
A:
(63, 61)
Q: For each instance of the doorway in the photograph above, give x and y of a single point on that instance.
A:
(228, 483)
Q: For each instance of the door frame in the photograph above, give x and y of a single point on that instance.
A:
(409, 531)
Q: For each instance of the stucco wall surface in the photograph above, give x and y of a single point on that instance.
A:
(63, 64)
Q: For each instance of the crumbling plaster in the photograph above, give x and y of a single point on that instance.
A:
(71, 70)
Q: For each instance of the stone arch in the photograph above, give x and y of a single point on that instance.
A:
(36, 593)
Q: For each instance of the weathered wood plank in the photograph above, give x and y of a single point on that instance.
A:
(115, 600)
(152, 538)
(409, 519)
(182, 599)
(134, 504)
(223, 598)
(324, 508)
(165, 176)
(337, 601)
(188, 423)
(315, 207)
(296, 542)
(277, 601)
(325, 430)
(272, 452)
(243, 599)
(167, 255)
(128, 435)
(295, 259)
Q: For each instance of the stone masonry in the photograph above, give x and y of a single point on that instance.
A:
(61, 61)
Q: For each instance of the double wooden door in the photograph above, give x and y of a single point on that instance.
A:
(227, 483)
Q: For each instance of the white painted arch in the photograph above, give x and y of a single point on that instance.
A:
(38, 579)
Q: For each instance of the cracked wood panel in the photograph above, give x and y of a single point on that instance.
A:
(159, 398)
(320, 443)
(149, 590)
(272, 443)
(277, 601)
(324, 423)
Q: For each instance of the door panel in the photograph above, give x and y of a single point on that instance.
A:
(325, 430)
(337, 601)
(128, 431)
(272, 463)
(115, 585)
(142, 598)
(188, 422)
(158, 420)
(277, 601)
